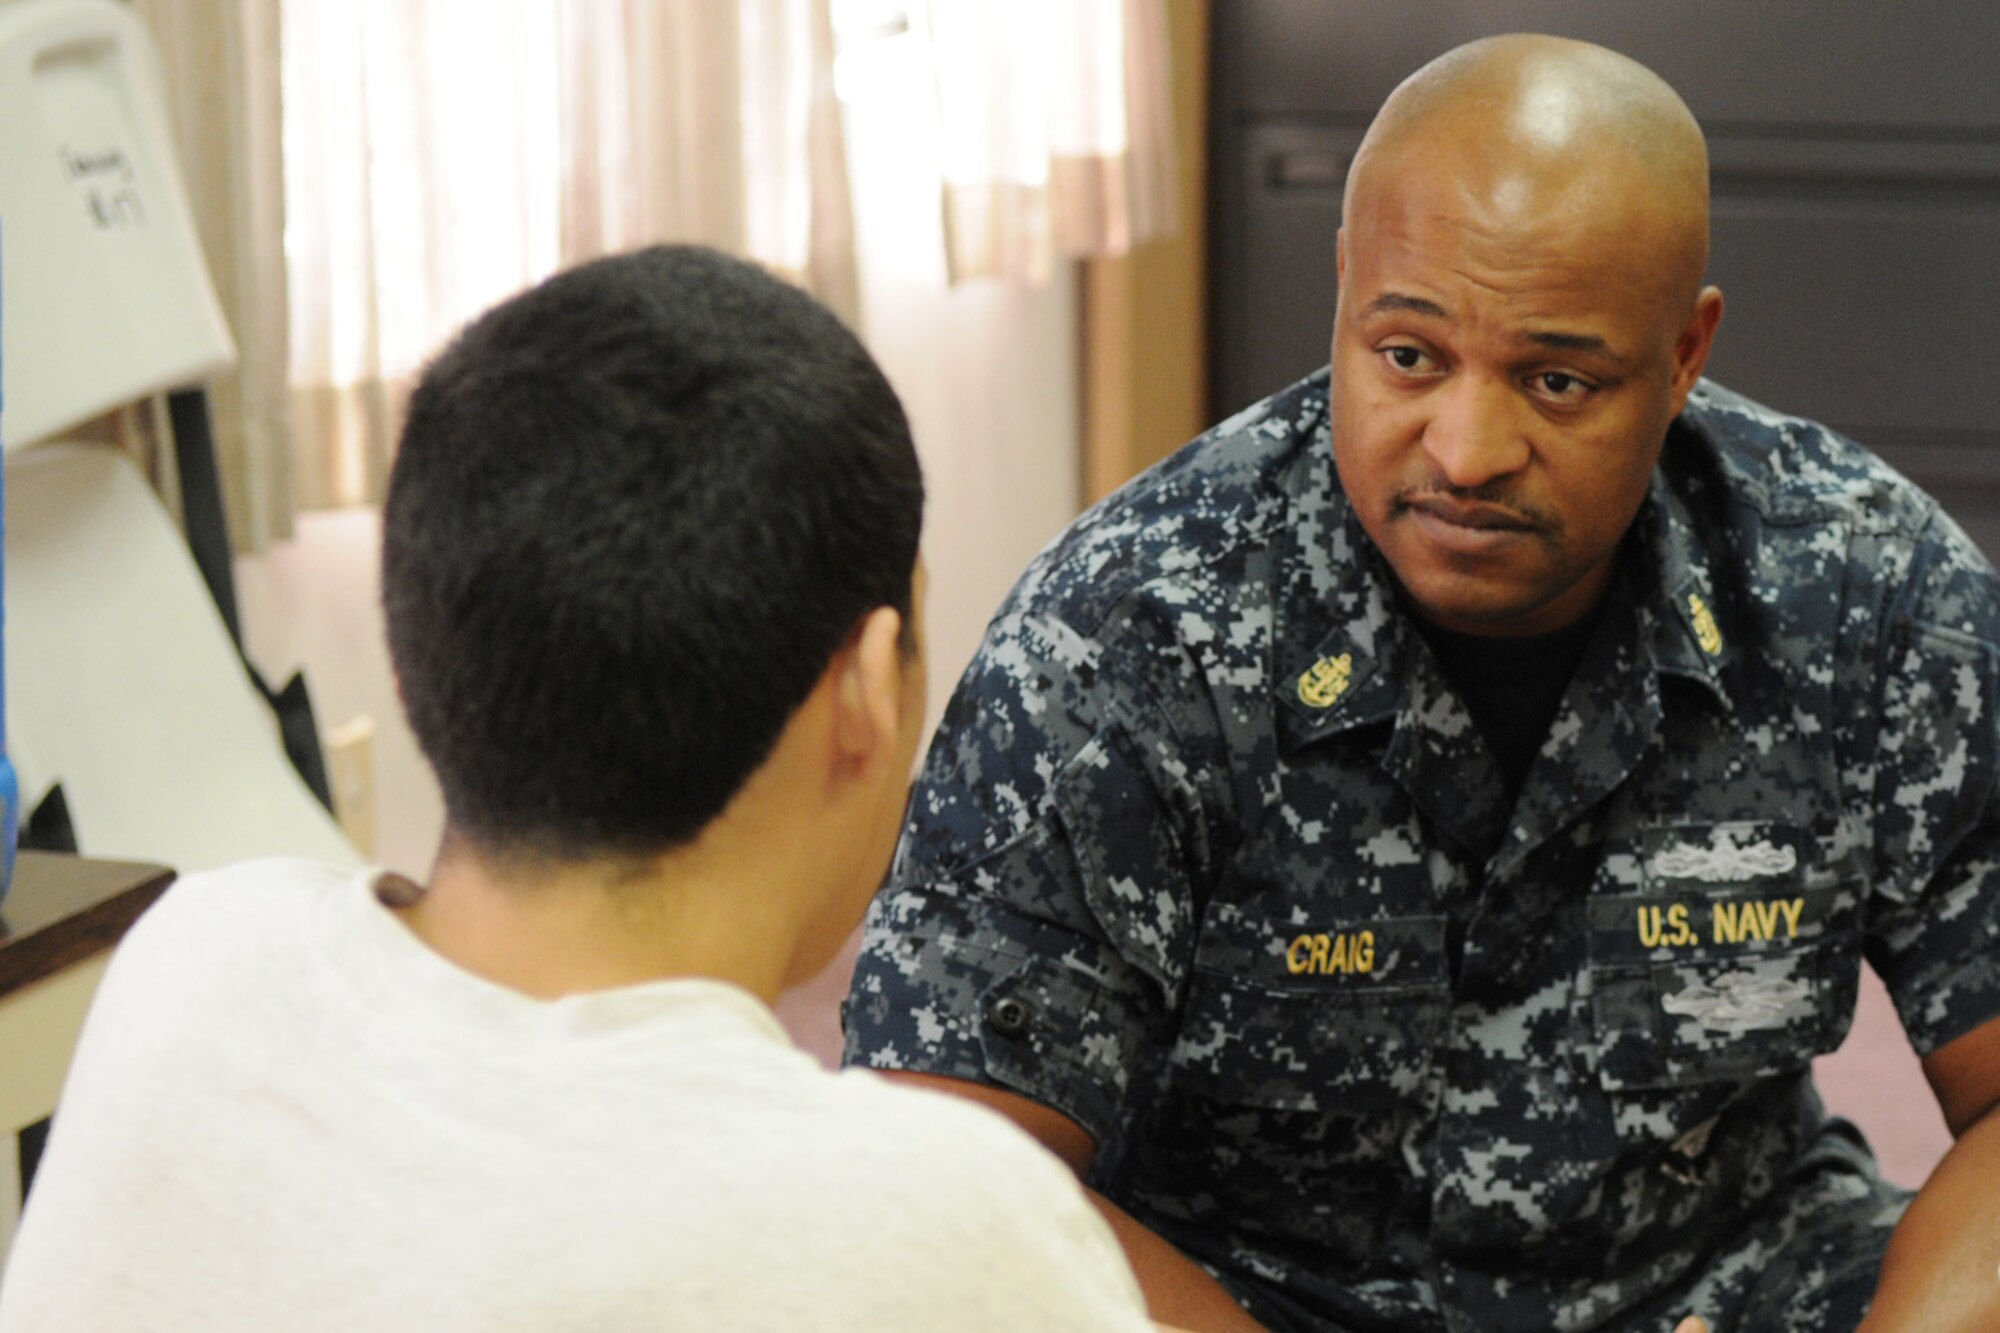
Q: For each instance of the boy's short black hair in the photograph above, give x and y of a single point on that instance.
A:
(635, 511)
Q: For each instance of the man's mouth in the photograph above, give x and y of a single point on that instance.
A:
(1468, 527)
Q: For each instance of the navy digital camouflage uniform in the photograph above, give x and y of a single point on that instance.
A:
(1209, 857)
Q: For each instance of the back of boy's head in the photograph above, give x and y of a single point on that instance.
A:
(635, 511)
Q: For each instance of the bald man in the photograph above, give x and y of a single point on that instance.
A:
(1405, 850)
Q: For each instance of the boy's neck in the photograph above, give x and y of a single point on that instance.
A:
(549, 929)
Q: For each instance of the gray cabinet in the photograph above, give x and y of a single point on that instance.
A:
(1856, 167)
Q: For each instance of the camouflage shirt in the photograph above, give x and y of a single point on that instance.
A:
(1208, 856)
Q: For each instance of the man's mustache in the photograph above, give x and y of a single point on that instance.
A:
(1476, 506)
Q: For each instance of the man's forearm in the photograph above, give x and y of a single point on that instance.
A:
(1179, 1291)
(1940, 1269)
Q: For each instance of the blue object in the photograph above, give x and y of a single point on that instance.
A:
(10, 789)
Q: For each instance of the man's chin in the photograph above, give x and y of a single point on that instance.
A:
(1485, 608)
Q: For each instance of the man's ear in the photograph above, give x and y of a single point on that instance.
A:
(868, 694)
(1692, 347)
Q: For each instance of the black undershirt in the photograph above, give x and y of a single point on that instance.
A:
(1512, 687)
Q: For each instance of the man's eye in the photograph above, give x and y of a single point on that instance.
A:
(1561, 385)
(1404, 358)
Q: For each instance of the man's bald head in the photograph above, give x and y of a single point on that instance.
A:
(1521, 317)
(1534, 124)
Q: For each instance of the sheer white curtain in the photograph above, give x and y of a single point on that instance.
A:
(441, 154)
(433, 156)
(1056, 123)
(220, 64)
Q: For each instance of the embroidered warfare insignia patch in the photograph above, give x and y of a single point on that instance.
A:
(1743, 1002)
(1726, 854)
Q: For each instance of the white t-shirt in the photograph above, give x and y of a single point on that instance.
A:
(288, 1113)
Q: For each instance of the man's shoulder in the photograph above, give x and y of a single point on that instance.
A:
(1228, 489)
(1806, 510)
(1795, 470)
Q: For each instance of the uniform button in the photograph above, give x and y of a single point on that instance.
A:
(1009, 1016)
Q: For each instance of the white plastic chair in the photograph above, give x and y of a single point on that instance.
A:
(122, 682)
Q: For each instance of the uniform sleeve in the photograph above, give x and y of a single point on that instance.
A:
(1037, 925)
(1934, 913)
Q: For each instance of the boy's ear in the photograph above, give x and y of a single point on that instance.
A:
(868, 692)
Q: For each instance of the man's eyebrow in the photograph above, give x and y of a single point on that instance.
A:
(1553, 339)
(1590, 343)
(1570, 342)
(1416, 305)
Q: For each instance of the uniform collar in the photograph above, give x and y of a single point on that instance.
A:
(1349, 658)
(1342, 647)
(1686, 615)
(1339, 646)
(1345, 658)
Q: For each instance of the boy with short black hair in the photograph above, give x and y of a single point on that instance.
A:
(651, 582)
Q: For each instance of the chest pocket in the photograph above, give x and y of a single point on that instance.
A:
(1694, 984)
(1339, 1017)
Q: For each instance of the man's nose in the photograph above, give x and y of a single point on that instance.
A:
(1474, 433)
